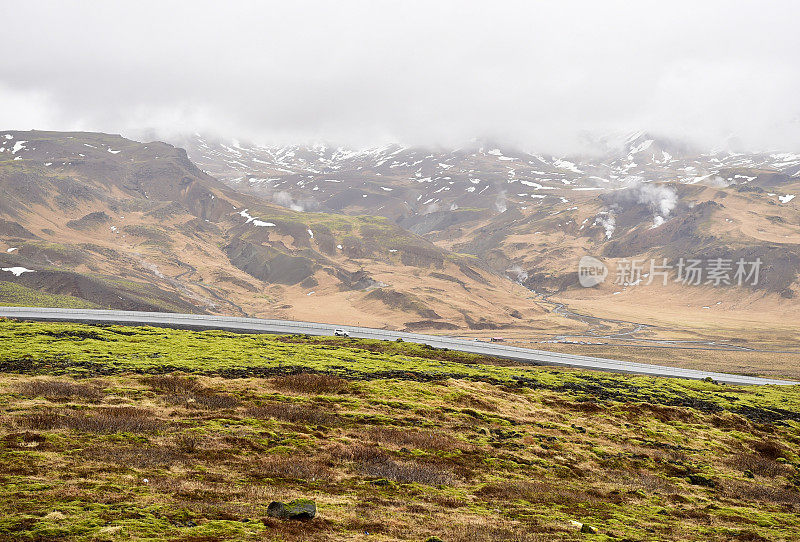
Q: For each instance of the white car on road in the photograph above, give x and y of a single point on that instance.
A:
(341, 333)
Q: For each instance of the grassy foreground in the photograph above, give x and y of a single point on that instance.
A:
(143, 433)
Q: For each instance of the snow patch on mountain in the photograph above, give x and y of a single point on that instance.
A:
(16, 271)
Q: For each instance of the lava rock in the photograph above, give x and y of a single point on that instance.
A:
(300, 509)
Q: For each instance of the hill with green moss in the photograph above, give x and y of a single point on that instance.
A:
(144, 433)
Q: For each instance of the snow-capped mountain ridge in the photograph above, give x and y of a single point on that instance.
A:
(395, 180)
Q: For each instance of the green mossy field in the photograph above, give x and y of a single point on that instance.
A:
(140, 433)
(17, 295)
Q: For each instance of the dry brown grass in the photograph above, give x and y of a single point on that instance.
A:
(540, 492)
(175, 384)
(316, 529)
(177, 389)
(644, 481)
(769, 449)
(761, 493)
(479, 532)
(59, 390)
(313, 384)
(759, 465)
(356, 452)
(205, 400)
(410, 438)
(293, 468)
(405, 472)
(101, 420)
(140, 457)
(294, 413)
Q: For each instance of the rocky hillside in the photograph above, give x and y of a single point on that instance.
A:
(97, 220)
(476, 239)
(408, 182)
(532, 216)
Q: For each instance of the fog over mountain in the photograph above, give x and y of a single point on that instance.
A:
(538, 75)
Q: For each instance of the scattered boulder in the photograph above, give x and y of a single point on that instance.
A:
(300, 509)
(588, 529)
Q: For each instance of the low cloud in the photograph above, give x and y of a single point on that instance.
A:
(364, 73)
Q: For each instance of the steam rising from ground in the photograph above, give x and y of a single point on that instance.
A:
(659, 199)
(501, 202)
(607, 221)
(517, 273)
(431, 208)
(285, 199)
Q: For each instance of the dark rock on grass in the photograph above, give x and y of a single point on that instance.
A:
(588, 529)
(299, 509)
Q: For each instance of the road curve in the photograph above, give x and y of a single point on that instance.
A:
(257, 325)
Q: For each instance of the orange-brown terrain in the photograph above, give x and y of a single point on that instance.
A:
(118, 224)
(409, 239)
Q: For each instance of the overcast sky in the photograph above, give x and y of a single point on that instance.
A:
(535, 74)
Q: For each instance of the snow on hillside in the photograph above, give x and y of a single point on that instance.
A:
(420, 180)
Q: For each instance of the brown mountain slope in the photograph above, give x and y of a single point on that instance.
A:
(130, 225)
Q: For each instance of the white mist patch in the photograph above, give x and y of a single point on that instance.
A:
(501, 202)
(285, 199)
(431, 207)
(517, 274)
(607, 221)
(659, 199)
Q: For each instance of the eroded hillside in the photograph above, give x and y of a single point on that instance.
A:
(532, 217)
(97, 220)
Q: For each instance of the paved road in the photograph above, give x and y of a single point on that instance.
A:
(257, 325)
